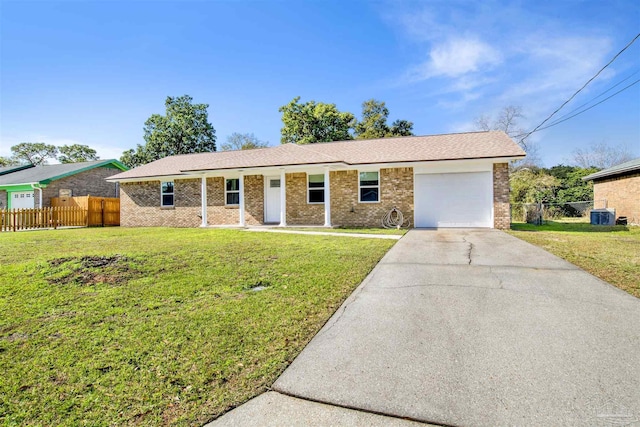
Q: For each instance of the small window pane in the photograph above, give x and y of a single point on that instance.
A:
(316, 179)
(274, 183)
(233, 198)
(167, 200)
(368, 178)
(316, 196)
(167, 187)
(368, 194)
(233, 185)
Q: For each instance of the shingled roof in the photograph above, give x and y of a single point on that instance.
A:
(458, 146)
(46, 173)
(632, 166)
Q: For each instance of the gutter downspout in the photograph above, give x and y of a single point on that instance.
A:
(33, 185)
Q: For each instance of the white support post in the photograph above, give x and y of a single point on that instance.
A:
(203, 201)
(241, 188)
(327, 198)
(283, 199)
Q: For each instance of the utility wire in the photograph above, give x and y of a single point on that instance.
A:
(595, 97)
(580, 90)
(587, 109)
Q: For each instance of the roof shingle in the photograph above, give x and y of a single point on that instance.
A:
(472, 145)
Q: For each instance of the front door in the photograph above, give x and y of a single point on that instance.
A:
(272, 200)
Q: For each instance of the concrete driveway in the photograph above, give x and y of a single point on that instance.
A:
(477, 328)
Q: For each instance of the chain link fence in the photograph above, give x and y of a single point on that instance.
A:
(536, 213)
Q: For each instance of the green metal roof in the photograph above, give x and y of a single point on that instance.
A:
(632, 166)
(44, 174)
(10, 169)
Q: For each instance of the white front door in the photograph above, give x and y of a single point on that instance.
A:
(22, 200)
(272, 200)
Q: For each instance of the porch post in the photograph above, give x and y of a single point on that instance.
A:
(241, 188)
(283, 198)
(203, 201)
(327, 198)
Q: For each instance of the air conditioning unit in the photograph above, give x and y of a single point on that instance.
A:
(603, 217)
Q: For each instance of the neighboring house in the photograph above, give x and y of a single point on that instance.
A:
(34, 186)
(455, 180)
(619, 187)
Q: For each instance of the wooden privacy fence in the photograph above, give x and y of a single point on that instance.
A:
(25, 219)
(100, 210)
(84, 211)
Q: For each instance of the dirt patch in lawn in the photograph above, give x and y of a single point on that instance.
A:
(92, 270)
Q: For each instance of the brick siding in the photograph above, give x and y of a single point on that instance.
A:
(622, 193)
(140, 202)
(501, 206)
(88, 183)
(396, 189)
(3, 199)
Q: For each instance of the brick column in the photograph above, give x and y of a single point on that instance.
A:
(501, 206)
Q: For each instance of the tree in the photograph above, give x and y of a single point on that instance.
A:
(184, 129)
(76, 153)
(374, 122)
(35, 153)
(508, 122)
(532, 186)
(243, 141)
(402, 128)
(601, 155)
(311, 122)
(7, 161)
(571, 187)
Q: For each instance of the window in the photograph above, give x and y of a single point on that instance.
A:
(232, 191)
(316, 188)
(274, 183)
(166, 190)
(369, 187)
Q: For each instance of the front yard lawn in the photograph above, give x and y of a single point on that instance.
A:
(610, 253)
(160, 326)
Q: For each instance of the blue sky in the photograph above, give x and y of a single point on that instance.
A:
(92, 72)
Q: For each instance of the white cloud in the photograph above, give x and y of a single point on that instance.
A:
(460, 56)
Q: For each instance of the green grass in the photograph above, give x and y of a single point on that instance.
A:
(610, 253)
(160, 326)
(386, 231)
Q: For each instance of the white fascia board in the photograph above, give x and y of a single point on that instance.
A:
(161, 178)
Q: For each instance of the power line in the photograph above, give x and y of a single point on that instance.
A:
(587, 109)
(594, 98)
(580, 90)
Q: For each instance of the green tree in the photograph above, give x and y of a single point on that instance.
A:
(76, 153)
(243, 141)
(402, 128)
(532, 186)
(7, 161)
(184, 129)
(571, 187)
(35, 153)
(374, 122)
(311, 122)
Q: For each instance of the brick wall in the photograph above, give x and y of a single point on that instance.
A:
(3, 199)
(140, 204)
(501, 206)
(396, 189)
(92, 182)
(299, 212)
(622, 194)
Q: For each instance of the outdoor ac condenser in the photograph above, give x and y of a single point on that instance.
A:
(603, 217)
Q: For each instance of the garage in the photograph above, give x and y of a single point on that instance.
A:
(454, 199)
(22, 200)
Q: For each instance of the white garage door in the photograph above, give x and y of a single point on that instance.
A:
(454, 199)
(22, 200)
